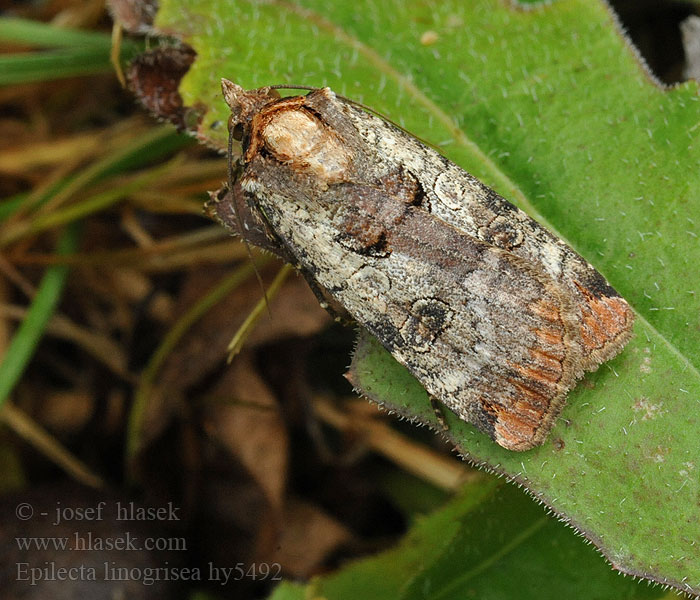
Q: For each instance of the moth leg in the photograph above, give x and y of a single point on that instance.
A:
(225, 205)
(335, 310)
(438, 409)
(231, 209)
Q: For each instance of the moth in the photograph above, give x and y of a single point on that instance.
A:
(494, 315)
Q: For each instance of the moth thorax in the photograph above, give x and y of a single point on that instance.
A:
(299, 139)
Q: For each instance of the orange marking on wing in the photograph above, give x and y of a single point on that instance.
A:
(549, 337)
(548, 360)
(527, 411)
(518, 407)
(542, 375)
(512, 433)
(537, 397)
(606, 319)
(546, 310)
(592, 331)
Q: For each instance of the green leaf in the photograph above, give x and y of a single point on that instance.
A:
(38, 34)
(551, 107)
(490, 542)
(288, 591)
(28, 335)
(73, 52)
(52, 64)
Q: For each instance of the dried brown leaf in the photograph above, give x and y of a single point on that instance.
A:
(309, 535)
(244, 417)
(154, 77)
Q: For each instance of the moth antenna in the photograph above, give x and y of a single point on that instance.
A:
(364, 107)
(239, 219)
(284, 86)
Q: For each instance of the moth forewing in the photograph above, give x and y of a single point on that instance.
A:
(494, 315)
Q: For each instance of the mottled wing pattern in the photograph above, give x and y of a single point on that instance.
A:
(485, 332)
(604, 318)
(495, 316)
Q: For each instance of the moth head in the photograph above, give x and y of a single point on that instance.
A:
(244, 104)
